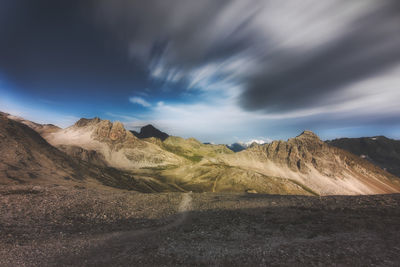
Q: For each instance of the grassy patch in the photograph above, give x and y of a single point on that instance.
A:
(181, 152)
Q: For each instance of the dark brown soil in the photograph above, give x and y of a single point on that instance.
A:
(62, 226)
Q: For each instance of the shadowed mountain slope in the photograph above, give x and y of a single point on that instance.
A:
(380, 150)
(42, 129)
(27, 157)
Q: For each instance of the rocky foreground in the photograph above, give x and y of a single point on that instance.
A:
(61, 226)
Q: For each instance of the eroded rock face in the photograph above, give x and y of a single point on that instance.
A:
(301, 152)
(102, 130)
(117, 131)
(90, 156)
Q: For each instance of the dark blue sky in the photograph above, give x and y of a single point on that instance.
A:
(220, 71)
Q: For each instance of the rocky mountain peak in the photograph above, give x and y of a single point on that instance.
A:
(85, 122)
(308, 135)
(105, 130)
(149, 127)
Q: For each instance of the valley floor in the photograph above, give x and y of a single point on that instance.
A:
(60, 226)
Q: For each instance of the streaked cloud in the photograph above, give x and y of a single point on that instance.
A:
(211, 69)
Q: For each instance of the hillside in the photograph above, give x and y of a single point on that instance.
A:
(28, 159)
(324, 169)
(380, 150)
(111, 141)
(192, 149)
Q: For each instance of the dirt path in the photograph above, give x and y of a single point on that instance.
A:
(126, 237)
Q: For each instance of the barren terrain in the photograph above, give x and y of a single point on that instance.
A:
(63, 226)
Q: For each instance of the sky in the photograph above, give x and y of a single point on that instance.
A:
(220, 71)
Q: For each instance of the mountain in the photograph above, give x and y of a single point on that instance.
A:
(309, 161)
(114, 144)
(150, 131)
(380, 150)
(105, 152)
(28, 158)
(237, 147)
(240, 146)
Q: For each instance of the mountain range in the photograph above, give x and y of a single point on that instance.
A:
(103, 153)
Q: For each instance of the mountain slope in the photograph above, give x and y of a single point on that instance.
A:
(42, 129)
(26, 158)
(324, 169)
(192, 149)
(119, 147)
(382, 151)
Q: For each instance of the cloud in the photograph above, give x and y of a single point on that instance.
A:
(275, 57)
(301, 78)
(140, 101)
(218, 69)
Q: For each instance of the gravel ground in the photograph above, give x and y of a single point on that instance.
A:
(63, 226)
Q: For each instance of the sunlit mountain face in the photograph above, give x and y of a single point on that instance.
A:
(220, 71)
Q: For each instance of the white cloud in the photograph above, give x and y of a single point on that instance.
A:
(140, 101)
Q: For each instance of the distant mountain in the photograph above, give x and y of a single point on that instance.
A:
(237, 147)
(150, 131)
(379, 150)
(240, 146)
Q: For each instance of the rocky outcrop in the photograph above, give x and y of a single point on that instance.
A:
(90, 156)
(302, 152)
(85, 122)
(106, 131)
